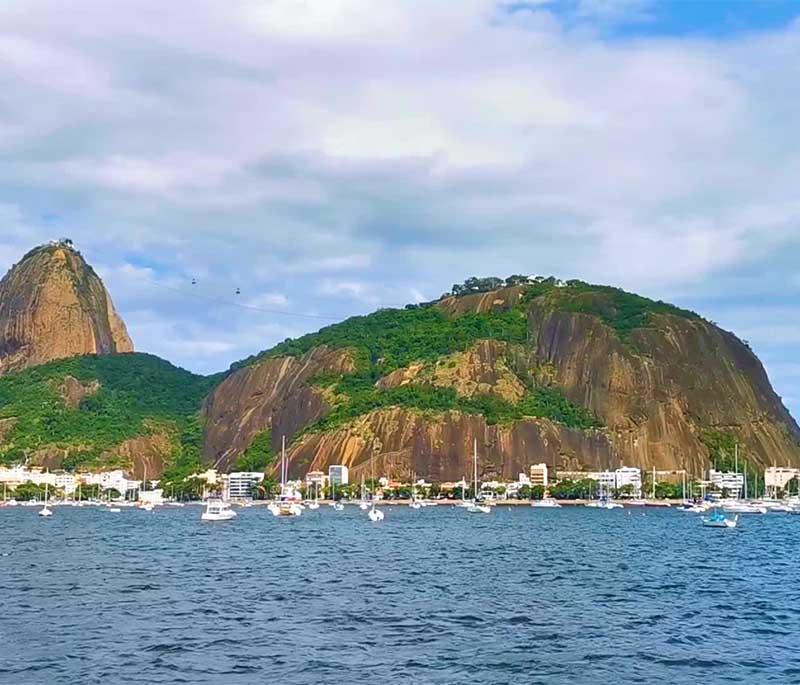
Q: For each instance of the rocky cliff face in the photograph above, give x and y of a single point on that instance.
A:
(54, 306)
(274, 395)
(657, 379)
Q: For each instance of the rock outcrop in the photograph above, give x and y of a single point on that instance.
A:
(274, 395)
(54, 306)
(658, 379)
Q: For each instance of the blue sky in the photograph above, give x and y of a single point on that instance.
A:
(328, 157)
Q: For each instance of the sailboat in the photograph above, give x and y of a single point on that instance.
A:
(45, 510)
(363, 505)
(314, 503)
(145, 505)
(476, 506)
(375, 514)
(285, 506)
(415, 503)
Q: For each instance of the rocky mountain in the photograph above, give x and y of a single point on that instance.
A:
(54, 306)
(575, 375)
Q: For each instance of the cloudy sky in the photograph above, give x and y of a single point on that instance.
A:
(327, 157)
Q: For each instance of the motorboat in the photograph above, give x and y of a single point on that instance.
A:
(719, 520)
(312, 505)
(338, 506)
(604, 503)
(737, 507)
(286, 508)
(545, 503)
(375, 514)
(217, 510)
(415, 505)
(477, 507)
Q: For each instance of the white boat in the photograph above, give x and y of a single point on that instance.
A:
(338, 506)
(45, 510)
(719, 520)
(363, 506)
(217, 510)
(415, 505)
(694, 508)
(313, 505)
(114, 510)
(737, 507)
(545, 503)
(603, 502)
(476, 506)
(375, 514)
(145, 506)
(286, 506)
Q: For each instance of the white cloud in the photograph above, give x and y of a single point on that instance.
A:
(344, 154)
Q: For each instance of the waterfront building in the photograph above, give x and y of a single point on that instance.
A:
(111, 480)
(538, 475)
(732, 482)
(629, 475)
(66, 482)
(240, 484)
(316, 479)
(338, 474)
(778, 477)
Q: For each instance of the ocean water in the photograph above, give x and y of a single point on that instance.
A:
(428, 596)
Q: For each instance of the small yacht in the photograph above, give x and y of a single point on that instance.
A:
(338, 506)
(719, 520)
(286, 506)
(545, 503)
(743, 507)
(217, 510)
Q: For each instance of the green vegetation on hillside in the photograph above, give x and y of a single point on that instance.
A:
(259, 455)
(622, 311)
(390, 339)
(138, 394)
(361, 397)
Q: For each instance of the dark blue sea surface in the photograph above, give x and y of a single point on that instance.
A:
(429, 596)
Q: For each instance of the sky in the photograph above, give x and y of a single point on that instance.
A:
(329, 157)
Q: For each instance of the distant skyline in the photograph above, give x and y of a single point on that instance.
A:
(328, 157)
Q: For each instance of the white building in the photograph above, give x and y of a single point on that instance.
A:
(338, 474)
(628, 475)
(777, 477)
(111, 480)
(539, 475)
(732, 482)
(67, 482)
(239, 485)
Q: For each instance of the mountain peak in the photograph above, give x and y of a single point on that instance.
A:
(52, 306)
